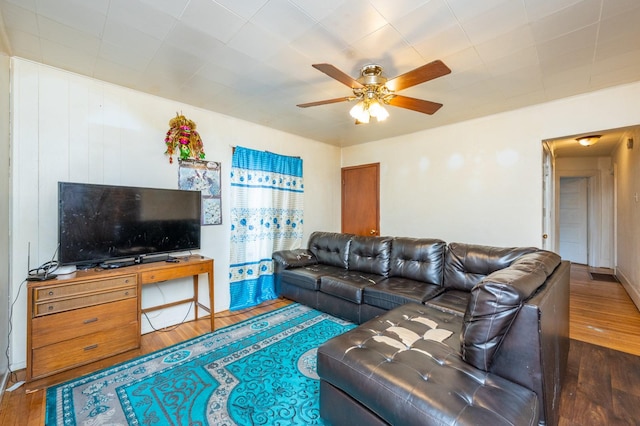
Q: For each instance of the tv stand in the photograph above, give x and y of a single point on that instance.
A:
(92, 315)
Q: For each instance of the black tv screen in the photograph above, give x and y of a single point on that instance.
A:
(99, 223)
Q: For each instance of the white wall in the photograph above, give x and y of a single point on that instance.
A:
(480, 181)
(627, 169)
(5, 301)
(72, 128)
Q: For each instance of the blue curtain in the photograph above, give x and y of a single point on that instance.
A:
(266, 216)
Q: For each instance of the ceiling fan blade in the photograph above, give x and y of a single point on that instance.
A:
(327, 101)
(336, 74)
(420, 105)
(419, 75)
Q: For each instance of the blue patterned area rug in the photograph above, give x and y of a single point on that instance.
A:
(258, 372)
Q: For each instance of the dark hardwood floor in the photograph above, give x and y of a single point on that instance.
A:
(602, 384)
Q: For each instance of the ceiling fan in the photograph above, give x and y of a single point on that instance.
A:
(372, 90)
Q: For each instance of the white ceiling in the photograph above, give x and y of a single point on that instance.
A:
(252, 59)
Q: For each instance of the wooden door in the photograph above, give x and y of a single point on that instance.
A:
(573, 219)
(361, 199)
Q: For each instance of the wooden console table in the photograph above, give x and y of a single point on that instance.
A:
(86, 316)
(190, 266)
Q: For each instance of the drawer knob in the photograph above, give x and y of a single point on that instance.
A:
(50, 307)
(126, 293)
(50, 292)
(90, 320)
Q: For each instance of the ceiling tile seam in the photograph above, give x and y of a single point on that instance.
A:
(163, 42)
(104, 23)
(242, 18)
(304, 12)
(595, 44)
(4, 36)
(475, 49)
(535, 45)
(184, 9)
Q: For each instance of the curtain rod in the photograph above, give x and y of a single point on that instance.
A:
(233, 149)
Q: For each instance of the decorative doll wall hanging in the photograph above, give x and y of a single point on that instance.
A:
(183, 138)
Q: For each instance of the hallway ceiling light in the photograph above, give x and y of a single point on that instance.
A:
(588, 140)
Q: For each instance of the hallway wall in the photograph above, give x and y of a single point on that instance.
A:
(627, 168)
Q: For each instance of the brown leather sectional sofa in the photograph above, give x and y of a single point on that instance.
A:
(451, 333)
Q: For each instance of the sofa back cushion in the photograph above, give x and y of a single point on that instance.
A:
(331, 248)
(495, 302)
(467, 264)
(419, 259)
(370, 255)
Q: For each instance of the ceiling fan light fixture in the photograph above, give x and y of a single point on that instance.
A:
(378, 111)
(588, 140)
(363, 118)
(371, 92)
(359, 112)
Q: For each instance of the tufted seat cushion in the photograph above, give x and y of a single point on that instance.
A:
(405, 366)
(348, 285)
(308, 277)
(455, 301)
(396, 291)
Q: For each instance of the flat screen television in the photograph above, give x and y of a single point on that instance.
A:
(98, 224)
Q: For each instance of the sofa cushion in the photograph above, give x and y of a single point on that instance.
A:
(420, 259)
(494, 304)
(330, 248)
(370, 255)
(450, 300)
(467, 264)
(405, 367)
(396, 291)
(309, 276)
(348, 285)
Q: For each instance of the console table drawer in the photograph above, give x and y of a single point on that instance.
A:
(158, 275)
(83, 287)
(47, 330)
(51, 359)
(61, 305)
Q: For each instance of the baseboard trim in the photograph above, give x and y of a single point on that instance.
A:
(633, 292)
(3, 384)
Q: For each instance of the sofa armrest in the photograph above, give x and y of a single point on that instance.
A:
(495, 302)
(493, 306)
(289, 259)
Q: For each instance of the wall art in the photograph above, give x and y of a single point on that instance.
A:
(204, 176)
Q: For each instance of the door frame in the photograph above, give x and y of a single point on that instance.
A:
(548, 198)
